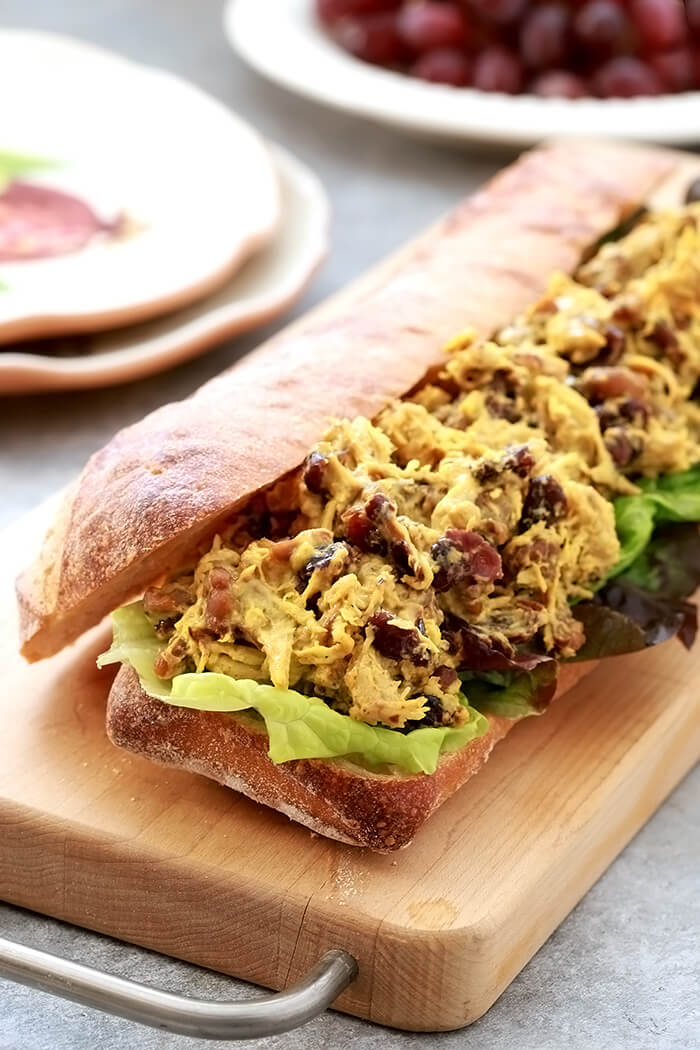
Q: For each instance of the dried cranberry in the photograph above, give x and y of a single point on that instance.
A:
(622, 446)
(663, 336)
(446, 676)
(545, 501)
(320, 560)
(400, 555)
(362, 533)
(628, 312)
(314, 472)
(201, 634)
(503, 407)
(486, 471)
(169, 662)
(615, 345)
(398, 643)
(434, 715)
(598, 384)
(434, 711)
(608, 416)
(634, 411)
(517, 458)
(379, 507)
(374, 529)
(464, 556)
(164, 627)
(219, 602)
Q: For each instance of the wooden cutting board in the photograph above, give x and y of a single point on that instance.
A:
(176, 863)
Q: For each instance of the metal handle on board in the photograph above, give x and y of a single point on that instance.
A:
(268, 1015)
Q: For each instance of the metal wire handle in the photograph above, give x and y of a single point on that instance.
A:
(206, 1019)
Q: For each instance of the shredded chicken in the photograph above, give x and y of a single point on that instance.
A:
(481, 508)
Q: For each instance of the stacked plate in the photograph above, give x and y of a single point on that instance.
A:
(140, 220)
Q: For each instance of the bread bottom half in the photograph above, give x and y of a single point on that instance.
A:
(334, 798)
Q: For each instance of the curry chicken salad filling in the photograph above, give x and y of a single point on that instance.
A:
(455, 533)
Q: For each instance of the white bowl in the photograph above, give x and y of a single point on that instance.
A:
(266, 285)
(281, 39)
(195, 183)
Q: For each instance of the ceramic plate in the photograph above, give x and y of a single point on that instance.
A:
(124, 191)
(281, 39)
(267, 284)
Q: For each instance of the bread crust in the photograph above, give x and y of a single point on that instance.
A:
(157, 492)
(333, 798)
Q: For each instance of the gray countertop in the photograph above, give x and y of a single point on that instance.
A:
(622, 970)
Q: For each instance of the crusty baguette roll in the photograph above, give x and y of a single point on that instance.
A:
(158, 490)
(332, 797)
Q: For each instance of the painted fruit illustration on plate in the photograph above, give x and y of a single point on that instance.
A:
(37, 221)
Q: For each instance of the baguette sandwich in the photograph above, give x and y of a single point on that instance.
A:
(355, 560)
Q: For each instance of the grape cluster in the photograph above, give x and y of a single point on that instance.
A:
(570, 49)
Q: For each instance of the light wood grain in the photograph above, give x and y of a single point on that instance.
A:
(174, 862)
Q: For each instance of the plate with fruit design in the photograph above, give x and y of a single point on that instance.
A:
(501, 71)
(264, 287)
(125, 192)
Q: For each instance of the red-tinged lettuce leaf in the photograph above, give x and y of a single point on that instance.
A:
(497, 678)
(643, 603)
(670, 564)
(624, 618)
(478, 652)
(512, 694)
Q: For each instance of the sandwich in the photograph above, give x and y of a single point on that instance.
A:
(346, 568)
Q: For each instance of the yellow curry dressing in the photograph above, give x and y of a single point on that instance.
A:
(474, 513)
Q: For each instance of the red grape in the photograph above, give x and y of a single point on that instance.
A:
(660, 23)
(373, 39)
(692, 8)
(501, 11)
(497, 69)
(557, 83)
(550, 48)
(626, 77)
(444, 65)
(426, 25)
(544, 37)
(603, 27)
(330, 11)
(676, 68)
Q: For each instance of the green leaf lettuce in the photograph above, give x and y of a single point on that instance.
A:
(672, 498)
(298, 726)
